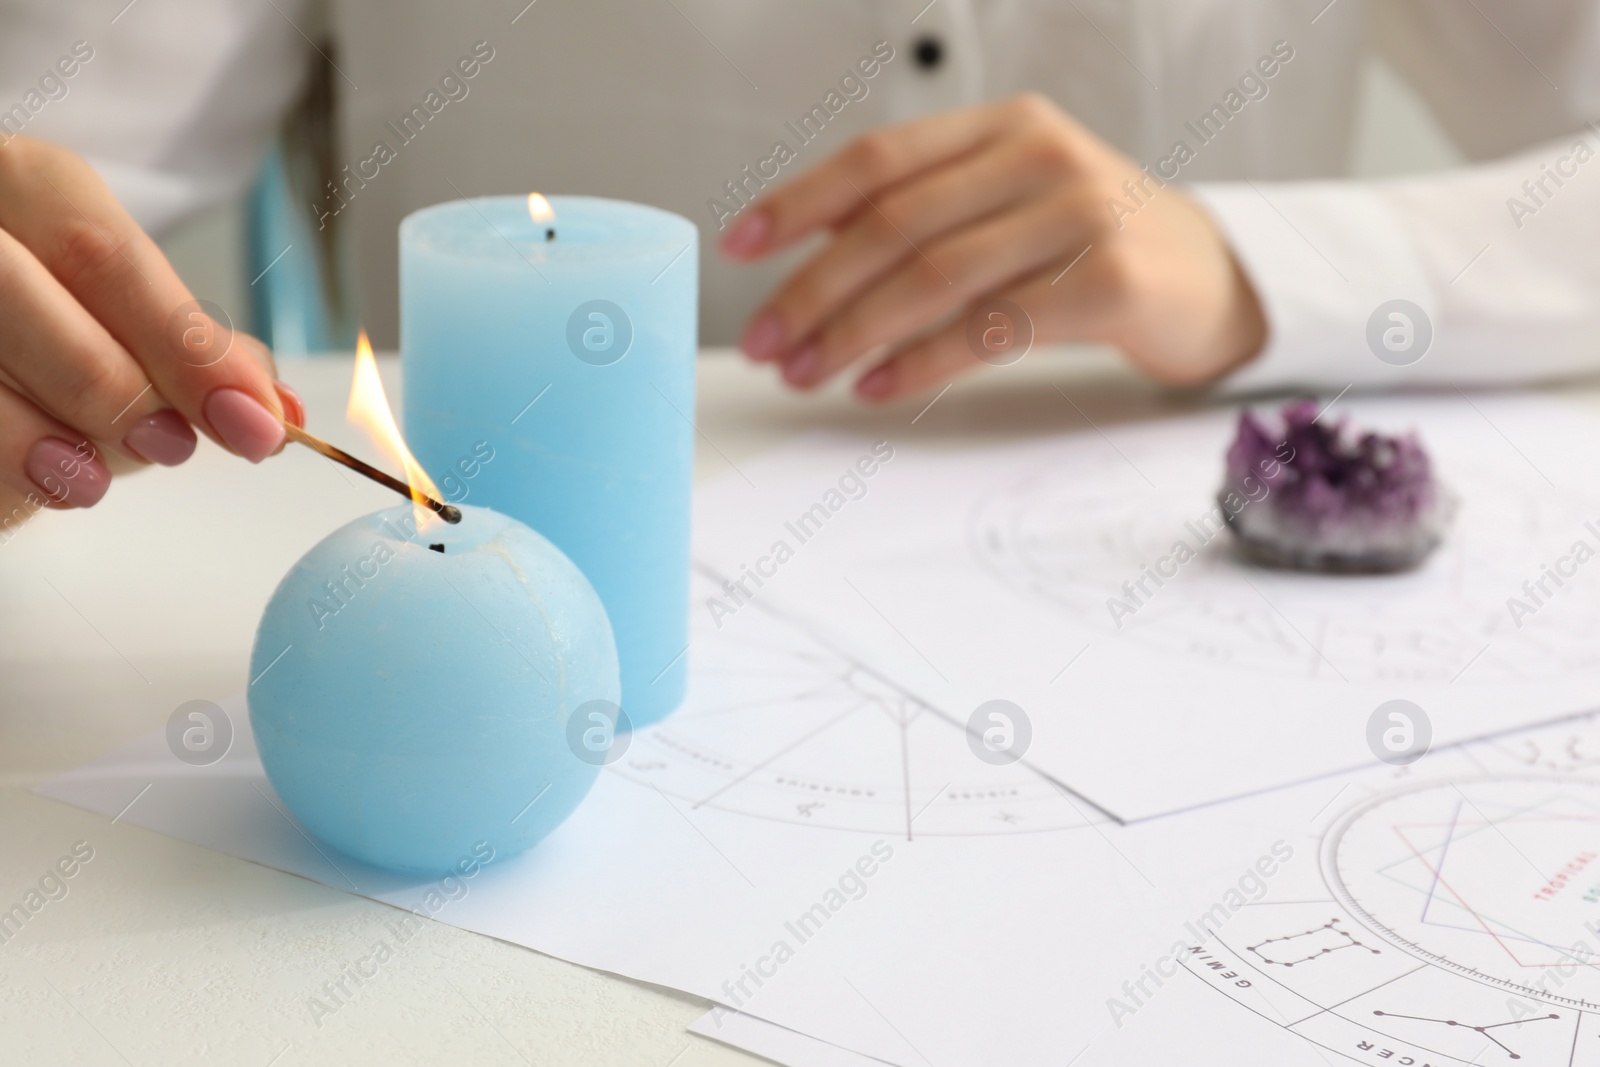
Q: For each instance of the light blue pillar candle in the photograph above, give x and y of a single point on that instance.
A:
(569, 361)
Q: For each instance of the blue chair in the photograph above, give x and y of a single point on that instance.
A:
(290, 308)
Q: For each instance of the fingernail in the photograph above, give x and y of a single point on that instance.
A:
(243, 423)
(70, 478)
(748, 234)
(876, 383)
(164, 437)
(294, 409)
(763, 340)
(803, 366)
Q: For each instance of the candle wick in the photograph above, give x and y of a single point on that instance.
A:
(437, 548)
(550, 234)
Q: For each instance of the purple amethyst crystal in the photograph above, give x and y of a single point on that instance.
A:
(1308, 496)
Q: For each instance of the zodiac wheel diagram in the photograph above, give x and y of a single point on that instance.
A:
(1497, 880)
(1459, 927)
(838, 746)
(1073, 535)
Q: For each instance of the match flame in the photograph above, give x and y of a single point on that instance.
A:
(369, 409)
(539, 209)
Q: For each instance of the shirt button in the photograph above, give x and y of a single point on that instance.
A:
(929, 52)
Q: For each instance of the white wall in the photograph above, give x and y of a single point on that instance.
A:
(1396, 133)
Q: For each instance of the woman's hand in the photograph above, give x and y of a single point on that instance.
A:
(1013, 200)
(102, 348)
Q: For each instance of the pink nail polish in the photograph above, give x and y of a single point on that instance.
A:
(876, 383)
(803, 366)
(69, 475)
(764, 338)
(748, 234)
(163, 437)
(294, 409)
(243, 422)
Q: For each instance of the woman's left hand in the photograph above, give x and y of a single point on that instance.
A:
(1015, 201)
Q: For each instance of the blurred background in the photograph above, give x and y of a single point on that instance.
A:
(1396, 134)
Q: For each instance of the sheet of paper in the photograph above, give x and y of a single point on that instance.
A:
(805, 842)
(1446, 916)
(777, 1043)
(984, 574)
(1447, 913)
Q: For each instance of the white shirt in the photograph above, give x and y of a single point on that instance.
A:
(666, 101)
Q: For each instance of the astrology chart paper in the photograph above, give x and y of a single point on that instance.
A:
(799, 798)
(985, 574)
(1450, 915)
(1444, 913)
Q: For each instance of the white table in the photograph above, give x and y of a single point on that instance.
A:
(167, 953)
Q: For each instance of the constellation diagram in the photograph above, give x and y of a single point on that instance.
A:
(1461, 923)
(1563, 753)
(1484, 1029)
(780, 725)
(1314, 943)
(1073, 532)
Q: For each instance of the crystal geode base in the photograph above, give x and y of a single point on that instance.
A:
(1310, 497)
(1290, 549)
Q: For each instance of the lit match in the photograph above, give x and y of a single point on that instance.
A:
(369, 409)
(448, 512)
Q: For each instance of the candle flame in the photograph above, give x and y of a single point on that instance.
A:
(539, 209)
(369, 409)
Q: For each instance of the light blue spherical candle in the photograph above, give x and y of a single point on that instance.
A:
(427, 677)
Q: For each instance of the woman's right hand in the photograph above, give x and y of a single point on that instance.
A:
(103, 348)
